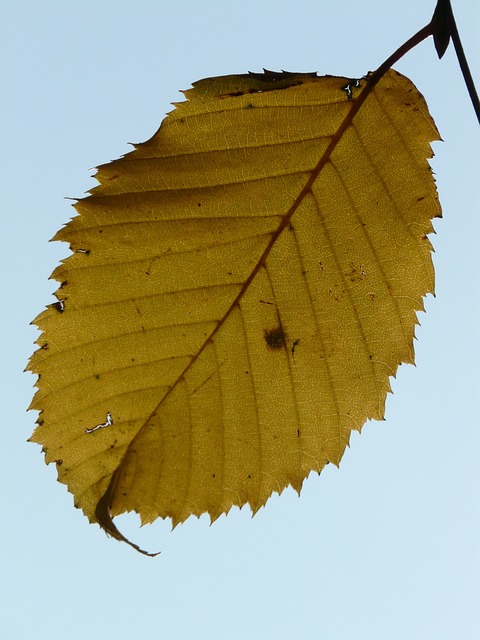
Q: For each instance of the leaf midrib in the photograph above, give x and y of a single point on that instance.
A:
(102, 509)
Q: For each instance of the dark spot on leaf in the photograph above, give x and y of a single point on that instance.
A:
(59, 463)
(274, 77)
(275, 338)
(295, 344)
(59, 306)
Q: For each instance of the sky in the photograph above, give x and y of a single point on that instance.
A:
(385, 547)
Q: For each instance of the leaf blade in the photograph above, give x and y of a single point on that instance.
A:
(267, 349)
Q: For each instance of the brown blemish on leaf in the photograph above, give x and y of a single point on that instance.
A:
(356, 273)
(275, 338)
(295, 344)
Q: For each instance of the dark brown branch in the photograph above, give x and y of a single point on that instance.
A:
(462, 60)
(444, 28)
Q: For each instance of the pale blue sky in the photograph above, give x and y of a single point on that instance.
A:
(384, 548)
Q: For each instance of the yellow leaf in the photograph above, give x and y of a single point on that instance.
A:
(241, 288)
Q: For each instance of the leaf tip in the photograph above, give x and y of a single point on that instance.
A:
(105, 521)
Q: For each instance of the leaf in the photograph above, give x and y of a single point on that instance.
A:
(241, 289)
(442, 26)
